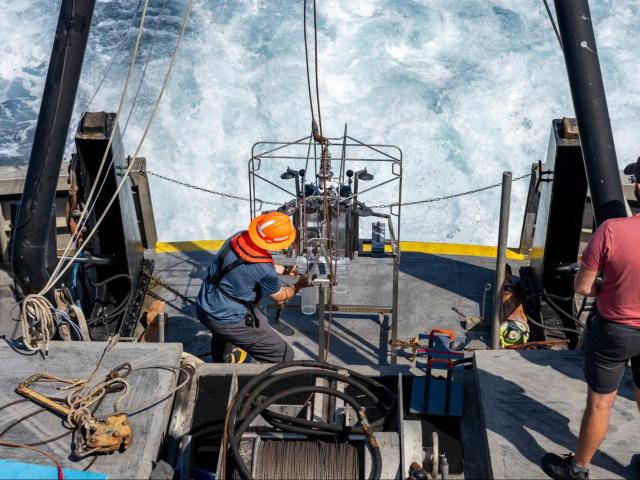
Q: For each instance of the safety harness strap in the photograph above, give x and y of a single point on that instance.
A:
(222, 270)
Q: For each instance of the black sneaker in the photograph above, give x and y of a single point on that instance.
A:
(559, 467)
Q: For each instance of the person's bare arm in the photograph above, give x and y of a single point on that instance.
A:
(288, 292)
(586, 282)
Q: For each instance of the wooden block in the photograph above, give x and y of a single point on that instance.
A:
(570, 129)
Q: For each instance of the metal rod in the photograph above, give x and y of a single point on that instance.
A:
(321, 334)
(162, 322)
(501, 259)
(590, 105)
(30, 256)
(373, 145)
(340, 308)
(343, 157)
(275, 185)
(394, 314)
(281, 146)
(346, 199)
(302, 157)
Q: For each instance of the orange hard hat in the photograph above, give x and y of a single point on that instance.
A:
(272, 231)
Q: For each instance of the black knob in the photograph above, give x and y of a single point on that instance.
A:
(419, 475)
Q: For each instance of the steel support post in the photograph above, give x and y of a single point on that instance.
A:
(501, 259)
(394, 313)
(590, 104)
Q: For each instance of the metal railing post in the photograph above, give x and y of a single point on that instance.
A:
(501, 258)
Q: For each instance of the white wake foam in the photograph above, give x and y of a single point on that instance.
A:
(467, 89)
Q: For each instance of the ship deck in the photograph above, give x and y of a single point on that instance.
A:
(435, 291)
(517, 405)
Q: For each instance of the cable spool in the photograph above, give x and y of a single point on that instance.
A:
(308, 460)
(251, 402)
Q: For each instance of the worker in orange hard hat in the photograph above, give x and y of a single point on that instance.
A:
(242, 273)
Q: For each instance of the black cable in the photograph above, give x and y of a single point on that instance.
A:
(549, 299)
(387, 409)
(120, 308)
(553, 23)
(11, 404)
(547, 327)
(110, 279)
(559, 310)
(248, 404)
(20, 420)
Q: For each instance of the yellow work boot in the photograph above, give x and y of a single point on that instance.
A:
(237, 355)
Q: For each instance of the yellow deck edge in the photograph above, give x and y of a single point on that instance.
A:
(417, 247)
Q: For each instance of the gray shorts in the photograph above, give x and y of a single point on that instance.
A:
(263, 343)
(607, 349)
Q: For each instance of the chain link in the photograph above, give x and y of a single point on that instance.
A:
(157, 282)
(447, 197)
(206, 190)
(405, 204)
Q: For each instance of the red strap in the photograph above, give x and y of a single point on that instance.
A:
(249, 251)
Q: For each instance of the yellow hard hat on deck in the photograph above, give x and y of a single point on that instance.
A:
(272, 231)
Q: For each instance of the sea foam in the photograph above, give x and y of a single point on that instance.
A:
(466, 88)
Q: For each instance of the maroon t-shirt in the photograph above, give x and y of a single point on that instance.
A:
(613, 250)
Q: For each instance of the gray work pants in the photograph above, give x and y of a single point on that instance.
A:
(263, 343)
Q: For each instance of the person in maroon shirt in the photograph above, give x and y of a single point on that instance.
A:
(613, 337)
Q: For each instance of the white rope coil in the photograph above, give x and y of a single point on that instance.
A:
(38, 324)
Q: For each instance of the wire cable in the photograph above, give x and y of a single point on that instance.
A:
(126, 173)
(315, 57)
(553, 23)
(114, 56)
(133, 105)
(249, 403)
(306, 54)
(85, 213)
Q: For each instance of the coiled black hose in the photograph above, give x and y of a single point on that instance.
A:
(249, 403)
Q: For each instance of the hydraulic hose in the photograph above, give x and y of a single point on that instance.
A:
(249, 403)
(309, 423)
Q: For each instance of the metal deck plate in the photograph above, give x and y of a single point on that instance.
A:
(532, 402)
(430, 287)
(78, 359)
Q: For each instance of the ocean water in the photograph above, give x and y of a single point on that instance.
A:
(466, 88)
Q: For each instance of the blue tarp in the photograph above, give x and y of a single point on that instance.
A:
(10, 470)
